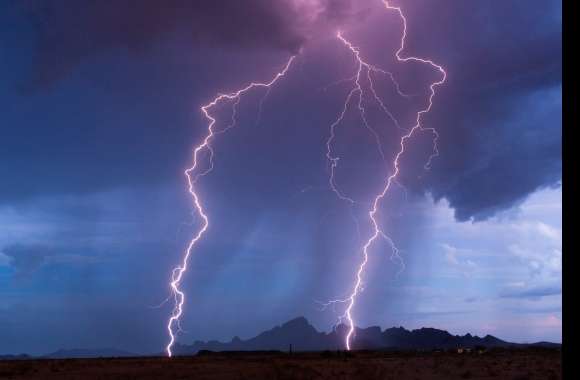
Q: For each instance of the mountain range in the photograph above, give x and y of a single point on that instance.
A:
(303, 336)
(299, 333)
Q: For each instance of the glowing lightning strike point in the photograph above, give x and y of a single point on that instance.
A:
(392, 178)
(178, 272)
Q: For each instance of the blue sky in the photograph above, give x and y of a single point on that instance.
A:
(96, 131)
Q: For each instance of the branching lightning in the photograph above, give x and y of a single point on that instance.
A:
(357, 89)
(192, 174)
(363, 78)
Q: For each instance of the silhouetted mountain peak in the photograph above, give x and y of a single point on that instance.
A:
(300, 324)
(297, 331)
(372, 329)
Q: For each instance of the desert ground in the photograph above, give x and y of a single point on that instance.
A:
(521, 364)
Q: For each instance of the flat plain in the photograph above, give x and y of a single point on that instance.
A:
(510, 364)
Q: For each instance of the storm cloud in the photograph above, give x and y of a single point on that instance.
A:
(71, 31)
(499, 114)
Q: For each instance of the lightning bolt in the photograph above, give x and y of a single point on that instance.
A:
(193, 175)
(364, 68)
(358, 91)
(365, 73)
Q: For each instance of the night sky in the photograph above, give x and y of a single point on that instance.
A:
(100, 112)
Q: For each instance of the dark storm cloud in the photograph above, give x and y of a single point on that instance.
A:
(70, 31)
(499, 114)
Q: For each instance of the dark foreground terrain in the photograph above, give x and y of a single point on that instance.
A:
(512, 364)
